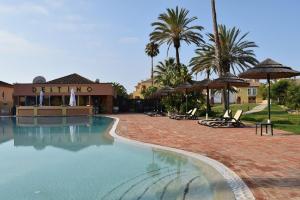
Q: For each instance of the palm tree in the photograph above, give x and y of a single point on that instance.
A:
(166, 74)
(173, 27)
(152, 51)
(217, 43)
(236, 53)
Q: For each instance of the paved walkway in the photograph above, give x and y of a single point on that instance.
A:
(270, 166)
(258, 108)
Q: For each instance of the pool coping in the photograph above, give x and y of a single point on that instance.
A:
(239, 188)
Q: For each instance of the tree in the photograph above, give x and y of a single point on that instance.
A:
(149, 91)
(236, 53)
(120, 90)
(279, 91)
(166, 74)
(173, 27)
(216, 34)
(152, 51)
(263, 91)
(293, 96)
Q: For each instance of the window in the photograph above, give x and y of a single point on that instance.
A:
(252, 91)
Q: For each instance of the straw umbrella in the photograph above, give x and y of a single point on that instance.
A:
(184, 87)
(226, 81)
(204, 85)
(165, 91)
(269, 69)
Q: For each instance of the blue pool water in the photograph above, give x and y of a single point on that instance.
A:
(76, 159)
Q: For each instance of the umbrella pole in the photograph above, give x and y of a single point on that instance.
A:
(207, 102)
(269, 98)
(186, 102)
(228, 96)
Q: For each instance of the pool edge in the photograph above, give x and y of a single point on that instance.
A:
(239, 188)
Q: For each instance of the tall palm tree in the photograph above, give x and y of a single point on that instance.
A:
(216, 33)
(173, 27)
(152, 51)
(236, 52)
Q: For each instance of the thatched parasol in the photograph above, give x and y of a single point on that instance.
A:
(166, 90)
(269, 69)
(201, 84)
(204, 84)
(226, 81)
(184, 87)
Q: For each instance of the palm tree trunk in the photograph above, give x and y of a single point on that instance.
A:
(152, 70)
(224, 98)
(207, 95)
(217, 39)
(177, 57)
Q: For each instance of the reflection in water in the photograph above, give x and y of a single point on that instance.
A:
(69, 133)
(6, 129)
(72, 133)
(171, 158)
(114, 171)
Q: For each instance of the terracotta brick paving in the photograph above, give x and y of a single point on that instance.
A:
(269, 165)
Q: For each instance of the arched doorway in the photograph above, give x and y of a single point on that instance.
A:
(238, 100)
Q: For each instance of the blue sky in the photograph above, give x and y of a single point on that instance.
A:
(106, 39)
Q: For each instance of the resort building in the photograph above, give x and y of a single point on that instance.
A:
(244, 94)
(56, 93)
(249, 94)
(6, 98)
(140, 87)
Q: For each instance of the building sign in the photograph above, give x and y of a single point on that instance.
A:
(61, 89)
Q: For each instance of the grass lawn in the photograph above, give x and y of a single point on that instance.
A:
(280, 118)
(219, 109)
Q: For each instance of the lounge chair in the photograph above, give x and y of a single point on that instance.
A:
(226, 116)
(187, 116)
(174, 115)
(154, 113)
(233, 122)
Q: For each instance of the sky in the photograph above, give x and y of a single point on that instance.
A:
(105, 39)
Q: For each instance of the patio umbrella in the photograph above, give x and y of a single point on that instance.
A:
(203, 85)
(184, 87)
(165, 91)
(226, 81)
(269, 69)
(41, 97)
(72, 98)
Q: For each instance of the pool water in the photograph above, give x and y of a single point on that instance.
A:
(75, 158)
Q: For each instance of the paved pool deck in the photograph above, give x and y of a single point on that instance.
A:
(269, 165)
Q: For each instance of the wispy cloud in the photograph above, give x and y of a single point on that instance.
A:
(25, 8)
(13, 44)
(129, 40)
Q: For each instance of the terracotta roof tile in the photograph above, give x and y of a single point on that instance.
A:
(71, 79)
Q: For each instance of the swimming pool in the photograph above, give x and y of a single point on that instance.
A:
(76, 158)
